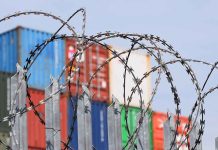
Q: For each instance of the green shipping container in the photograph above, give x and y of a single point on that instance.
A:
(133, 112)
(4, 127)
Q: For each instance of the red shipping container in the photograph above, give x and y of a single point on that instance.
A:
(36, 148)
(158, 119)
(93, 57)
(36, 130)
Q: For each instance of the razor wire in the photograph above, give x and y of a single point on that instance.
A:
(155, 47)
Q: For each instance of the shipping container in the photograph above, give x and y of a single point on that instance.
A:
(36, 130)
(4, 137)
(93, 56)
(4, 127)
(8, 51)
(99, 125)
(138, 62)
(158, 119)
(133, 112)
(15, 46)
(72, 126)
(35, 148)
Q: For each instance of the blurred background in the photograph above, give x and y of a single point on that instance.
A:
(190, 26)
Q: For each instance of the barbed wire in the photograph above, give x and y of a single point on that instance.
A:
(151, 44)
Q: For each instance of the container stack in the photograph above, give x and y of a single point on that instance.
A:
(99, 125)
(15, 46)
(93, 56)
(117, 70)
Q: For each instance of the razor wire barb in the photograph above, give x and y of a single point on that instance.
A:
(151, 44)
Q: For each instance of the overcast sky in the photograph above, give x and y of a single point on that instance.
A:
(190, 26)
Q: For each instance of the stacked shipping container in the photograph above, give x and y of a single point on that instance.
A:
(117, 70)
(99, 125)
(133, 112)
(93, 56)
(36, 130)
(158, 120)
(15, 46)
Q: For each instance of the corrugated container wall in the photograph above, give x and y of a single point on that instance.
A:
(36, 130)
(99, 125)
(133, 112)
(137, 62)
(8, 51)
(15, 46)
(4, 127)
(158, 119)
(94, 56)
(99, 128)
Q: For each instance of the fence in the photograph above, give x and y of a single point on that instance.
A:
(153, 45)
(52, 122)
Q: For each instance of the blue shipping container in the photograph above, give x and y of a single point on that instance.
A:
(99, 126)
(15, 46)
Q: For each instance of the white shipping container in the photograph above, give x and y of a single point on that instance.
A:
(140, 63)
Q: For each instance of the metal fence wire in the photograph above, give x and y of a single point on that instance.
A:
(151, 44)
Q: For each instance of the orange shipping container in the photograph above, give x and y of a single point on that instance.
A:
(158, 119)
(94, 56)
(36, 130)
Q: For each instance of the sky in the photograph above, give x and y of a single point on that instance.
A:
(190, 26)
